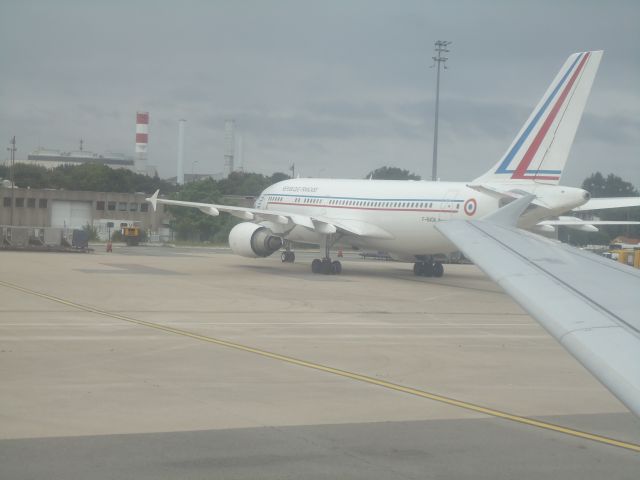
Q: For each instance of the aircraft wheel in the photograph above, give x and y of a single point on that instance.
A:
(336, 267)
(428, 270)
(438, 269)
(316, 266)
(418, 268)
(288, 257)
(326, 266)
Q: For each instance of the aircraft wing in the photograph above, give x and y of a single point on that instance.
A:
(318, 224)
(580, 224)
(588, 303)
(608, 202)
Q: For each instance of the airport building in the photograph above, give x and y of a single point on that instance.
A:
(74, 210)
(54, 158)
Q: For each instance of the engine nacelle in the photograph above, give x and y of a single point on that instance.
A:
(253, 240)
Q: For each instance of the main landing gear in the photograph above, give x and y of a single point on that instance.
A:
(428, 268)
(326, 265)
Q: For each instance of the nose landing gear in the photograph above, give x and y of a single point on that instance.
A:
(288, 257)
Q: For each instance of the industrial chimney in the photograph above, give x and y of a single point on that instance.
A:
(142, 141)
(229, 146)
(180, 175)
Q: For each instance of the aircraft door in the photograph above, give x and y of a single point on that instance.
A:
(448, 206)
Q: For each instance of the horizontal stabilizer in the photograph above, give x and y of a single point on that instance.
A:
(604, 203)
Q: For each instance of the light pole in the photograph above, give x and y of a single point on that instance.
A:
(12, 149)
(440, 48)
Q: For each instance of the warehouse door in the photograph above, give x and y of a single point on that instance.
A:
(69, 214)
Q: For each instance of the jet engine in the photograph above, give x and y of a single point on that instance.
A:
(252, 240)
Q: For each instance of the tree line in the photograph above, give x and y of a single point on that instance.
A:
(91, 177)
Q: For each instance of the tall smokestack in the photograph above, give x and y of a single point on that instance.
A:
(180, 176)
(142, 141)
(240, 154)
(229, 146)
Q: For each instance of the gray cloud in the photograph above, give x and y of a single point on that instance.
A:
(337, 87)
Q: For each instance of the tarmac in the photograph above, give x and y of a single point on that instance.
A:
(162, 363)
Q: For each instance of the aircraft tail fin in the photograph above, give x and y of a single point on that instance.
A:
(541, 148)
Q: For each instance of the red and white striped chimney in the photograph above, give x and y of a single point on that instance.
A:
(142, 141)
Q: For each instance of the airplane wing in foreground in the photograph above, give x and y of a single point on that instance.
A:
(286, 220)
(588, 303)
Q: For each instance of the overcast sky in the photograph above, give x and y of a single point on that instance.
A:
(337, 87)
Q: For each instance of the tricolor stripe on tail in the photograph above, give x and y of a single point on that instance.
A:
(541, 148)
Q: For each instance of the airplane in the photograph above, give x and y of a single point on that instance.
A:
(586, 302)
(399, 217)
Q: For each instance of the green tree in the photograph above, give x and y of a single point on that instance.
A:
(392, 173)
(25, 175)
(191, 224)
(85, 177)
(92, 231)
(278, 177)
(610, 186)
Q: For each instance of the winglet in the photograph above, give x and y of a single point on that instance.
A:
(510, 213)
(153, 200)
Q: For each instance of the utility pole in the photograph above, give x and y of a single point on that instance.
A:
(440, 48)
(12, 149)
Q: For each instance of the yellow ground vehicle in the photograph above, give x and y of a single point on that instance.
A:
(132, 235)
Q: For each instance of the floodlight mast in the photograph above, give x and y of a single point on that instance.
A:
(440, 48)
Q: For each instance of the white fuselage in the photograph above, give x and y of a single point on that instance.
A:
(407, 210)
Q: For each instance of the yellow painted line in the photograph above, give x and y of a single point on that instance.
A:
(342, 373)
